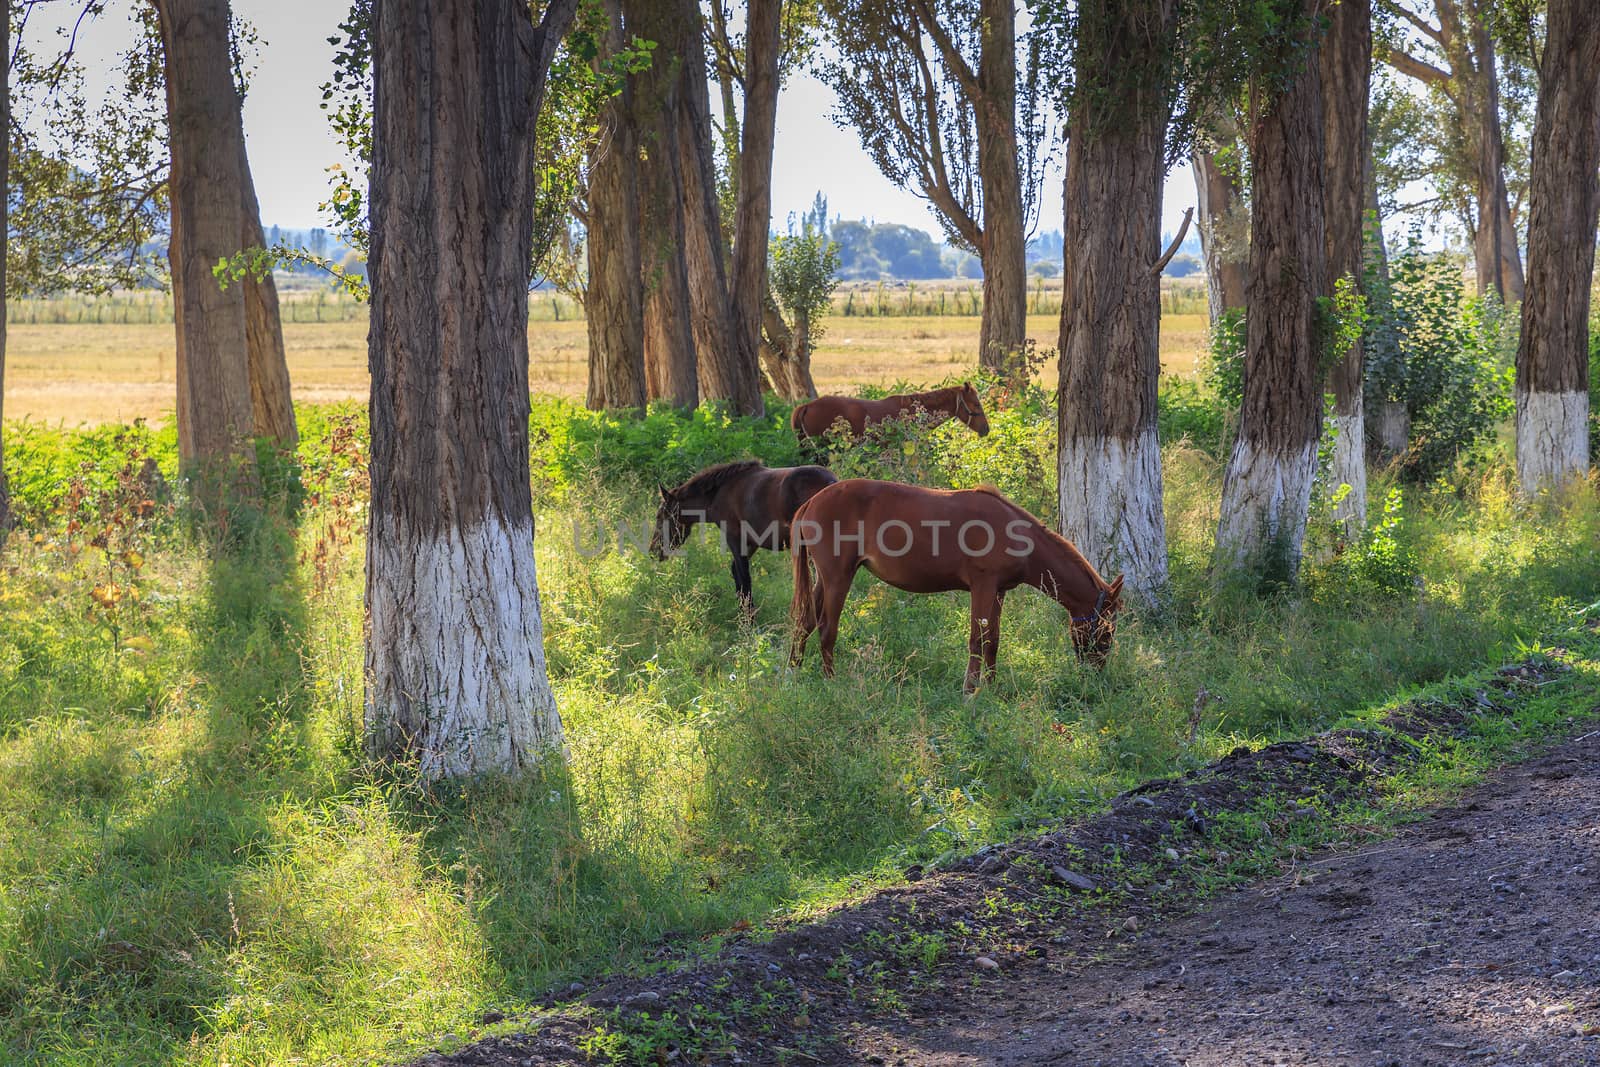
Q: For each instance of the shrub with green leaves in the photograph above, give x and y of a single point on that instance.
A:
(1445, 355)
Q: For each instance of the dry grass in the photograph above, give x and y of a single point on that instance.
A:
(116, 372)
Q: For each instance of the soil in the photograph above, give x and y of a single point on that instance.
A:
(1471, 937)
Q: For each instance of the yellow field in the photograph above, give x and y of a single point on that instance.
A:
(103, 373)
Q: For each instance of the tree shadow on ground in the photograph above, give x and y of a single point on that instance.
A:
(129, 949)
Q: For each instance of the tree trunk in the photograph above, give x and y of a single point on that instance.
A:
(671, 371)
(1224, 237)
(786, 353)
(1002, 333)
(1390, 423)
(1267, 487)
(1494, 244)
(729, 368)
(752, 220)
(455, 660)
(1564, 200)
(1109, 469)
(614, 300)
(1346, 58)
(270, 399)
(5, 233)
(215, 414)
(1470, 51)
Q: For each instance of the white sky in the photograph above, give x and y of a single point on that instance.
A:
(291, 147)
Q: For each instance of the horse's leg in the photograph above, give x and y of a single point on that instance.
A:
(741, 585)
(985, 627)
(803, 610)
(991, 637)
(829, 600)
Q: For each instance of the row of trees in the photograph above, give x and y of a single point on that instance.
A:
(1274, 113)
(678, 269)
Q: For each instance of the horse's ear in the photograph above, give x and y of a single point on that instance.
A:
(1115, 589)
(666, 494)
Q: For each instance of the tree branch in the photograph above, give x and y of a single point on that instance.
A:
(965, 76)
(1161, 264)
(1416, 68)
(1424, 27)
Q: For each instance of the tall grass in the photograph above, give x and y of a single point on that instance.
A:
(199, 866)
(315, 304)
(885, 299)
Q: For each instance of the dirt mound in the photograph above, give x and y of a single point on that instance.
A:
(1070, 895)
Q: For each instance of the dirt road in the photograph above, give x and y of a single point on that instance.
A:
(1472, 938)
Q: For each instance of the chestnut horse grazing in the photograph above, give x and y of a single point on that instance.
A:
(751, 503)
(815, 417)
(937, 540)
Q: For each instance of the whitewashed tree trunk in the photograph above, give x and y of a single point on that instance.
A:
(1564, 199)
(1267, 487)
(1111, 495)
(1552, 438)
(1349, 467)
(456, 677)
(1394, 427)
(1265, 498)
(1109, 456)
(456, 655)
(1346, 59)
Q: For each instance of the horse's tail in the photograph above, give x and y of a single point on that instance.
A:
(801, 609)
(796, 418)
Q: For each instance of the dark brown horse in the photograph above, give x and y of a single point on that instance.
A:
(814, 418)
(934, 541)
(752, 505)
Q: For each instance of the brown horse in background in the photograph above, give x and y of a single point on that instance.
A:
(934, 541)
(814, 418)
(752, 505)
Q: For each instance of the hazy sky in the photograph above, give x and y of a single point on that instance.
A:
(290, 145)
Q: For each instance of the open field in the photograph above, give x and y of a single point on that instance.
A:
(89, 373)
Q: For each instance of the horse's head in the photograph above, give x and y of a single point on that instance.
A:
(969, 409)
(1093, 634)
(671, 530)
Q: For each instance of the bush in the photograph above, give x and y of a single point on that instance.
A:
(1381, 567)
(1188, 410)
(1446, 356)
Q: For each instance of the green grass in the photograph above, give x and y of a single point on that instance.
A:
(198, 865)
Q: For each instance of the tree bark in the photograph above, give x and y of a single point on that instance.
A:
(215, 414)
(1390, 423)
(271, 401)
(1109, 469)
(1002, 332)
(1267, 486)
(1470, 50)
(1564, 200)
(614, 300)
(1494, 244)
(454, 659)
(1224, 236)
(5, 233)
(786, 353)
(729, 368)
(671, 370)
(752, 220)
(1346, 58)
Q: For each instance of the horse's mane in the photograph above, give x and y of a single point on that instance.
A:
(714, 478)
(1072, 550)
